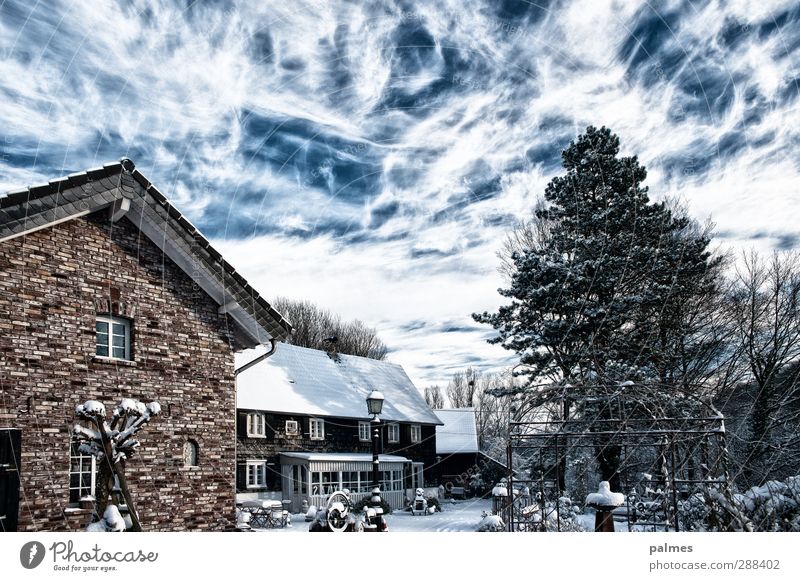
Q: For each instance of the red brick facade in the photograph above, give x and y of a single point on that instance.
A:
(53, 283)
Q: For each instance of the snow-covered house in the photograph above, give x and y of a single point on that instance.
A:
(107, 291)
(304, 431)
(458, 455)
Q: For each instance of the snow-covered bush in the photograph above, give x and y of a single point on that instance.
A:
(774, 506)
(530, 517)
(366, 503)
(491, 523)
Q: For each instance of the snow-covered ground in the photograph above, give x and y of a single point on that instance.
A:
(458, 516)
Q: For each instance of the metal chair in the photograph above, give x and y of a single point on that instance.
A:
(277, 516)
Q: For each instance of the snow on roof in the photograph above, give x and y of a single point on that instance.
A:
(459, 433)
(307, 381)
(334, 456)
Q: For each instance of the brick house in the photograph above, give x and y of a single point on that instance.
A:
(304, 431)
(107, 291)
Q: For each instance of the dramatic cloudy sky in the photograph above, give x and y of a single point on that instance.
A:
(370, 155)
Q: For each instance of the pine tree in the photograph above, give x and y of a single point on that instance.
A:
(604, 296)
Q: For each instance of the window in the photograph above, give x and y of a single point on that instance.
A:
(366, 481)
(394, 433)
(350, 481)
(391, 480)
(190, 453)
(325, 483)
(316, 429)
(363, 431)
(82, 475)
(113, 337)
(256, 474)
(292, 428)
(255, 425)
(416, 433)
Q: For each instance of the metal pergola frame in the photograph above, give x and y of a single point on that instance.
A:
(689, 452)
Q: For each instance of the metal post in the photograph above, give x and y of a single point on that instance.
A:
(675, 515)
(376, 486)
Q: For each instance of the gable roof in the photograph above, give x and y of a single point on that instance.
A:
(309, 382)
(122, 190)
(459, 434)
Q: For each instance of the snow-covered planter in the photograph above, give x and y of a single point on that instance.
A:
(604, 497)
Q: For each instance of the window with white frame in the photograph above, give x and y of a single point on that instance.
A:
(82, 474)
(394, 432)
(113, 337)
(256, 425)
(292, 428)
(256, 473)
(416, 433)
(316, 429)
(363, 431)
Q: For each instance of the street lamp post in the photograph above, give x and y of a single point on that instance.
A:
(374, 407)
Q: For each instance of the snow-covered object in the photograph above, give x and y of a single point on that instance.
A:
(604, 496)
(112, 522)
(91, 408)
(500, 490)
(459, 433)
(128, 418)
(307, 381)
(491, 523)
(343, 457)
(311, 514)
(243, 518)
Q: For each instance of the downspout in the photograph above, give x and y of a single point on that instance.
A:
(260, 358)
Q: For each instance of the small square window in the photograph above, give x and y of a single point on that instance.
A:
(394, 433)
(292, 428)
(363, 431)
(316, 429)
(113, 337)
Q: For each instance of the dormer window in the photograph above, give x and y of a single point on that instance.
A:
(113, 337)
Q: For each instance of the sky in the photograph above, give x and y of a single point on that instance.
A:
(371, 156)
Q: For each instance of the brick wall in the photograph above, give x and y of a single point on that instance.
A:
(53, 283)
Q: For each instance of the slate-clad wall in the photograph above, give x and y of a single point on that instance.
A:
(341, 435)
(53, 283)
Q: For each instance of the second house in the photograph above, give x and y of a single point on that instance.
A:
(304, 431)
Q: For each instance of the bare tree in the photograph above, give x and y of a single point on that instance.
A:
(528, 234)
(765, 308)
(493, 412)
(461, 389)
(434, 397)
(318, 328)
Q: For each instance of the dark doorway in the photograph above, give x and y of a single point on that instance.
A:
(9, 478)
